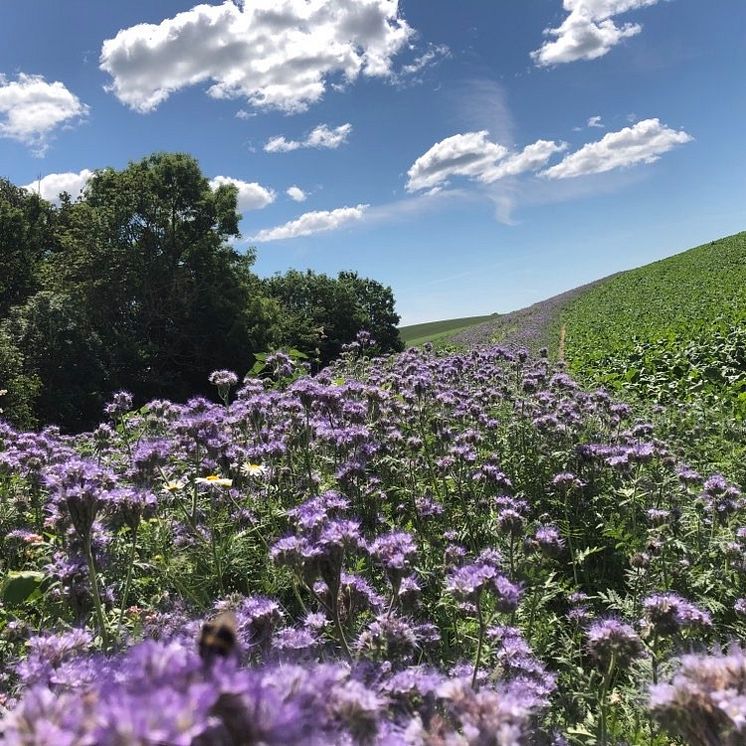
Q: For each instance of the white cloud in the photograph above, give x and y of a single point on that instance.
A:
(51, 185)
(321, 137)
(251, 196)
(312, 222)
(595, 122)
(531, 158)
(644, 142)
(588, 32)
(278, 54)
(411, 73)
(467, 154)
(31, 109)
(473, 155)
(296, 194)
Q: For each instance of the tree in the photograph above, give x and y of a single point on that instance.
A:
(376, 305)
(26, 238)
(319, 313)
(146, 254)
(64, 356)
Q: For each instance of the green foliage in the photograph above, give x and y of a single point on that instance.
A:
(21, 389)
(689, 298)
(136, 286)
(146, 255)
(65, 352)
(26, 237)
(672, 333)
(319, 314)
(18, 587)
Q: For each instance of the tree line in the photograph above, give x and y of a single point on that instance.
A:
(137, 285)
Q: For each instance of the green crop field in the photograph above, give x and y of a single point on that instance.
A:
(434, 331)
(672, 336)
(671, 330)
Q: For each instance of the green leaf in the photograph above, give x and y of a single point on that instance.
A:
(18, 586)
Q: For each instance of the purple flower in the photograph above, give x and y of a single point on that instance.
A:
(549, 540)
(223, 379)
(79, 489)
(610, 640)
(704, 702)
(394, 551)
(668, 613)
(121, 403)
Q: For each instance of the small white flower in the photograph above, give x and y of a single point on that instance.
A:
(253, 470)
(214, 481)
(174, 485)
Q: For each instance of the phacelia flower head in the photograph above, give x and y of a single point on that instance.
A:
(668, 613)
(611, 639)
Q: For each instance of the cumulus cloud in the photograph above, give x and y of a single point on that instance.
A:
(475, 156)
(595, 122)
(52, 185)
(644, 142)
(277, 54)
(251, 196)
(588, 32)
(321, 137)
(296, 194)
(312, 222)
(31, 109)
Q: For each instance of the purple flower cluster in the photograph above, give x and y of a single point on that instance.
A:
(407, 503)
(705, 702)
(611, 642)
(669, 613)
(160, 692)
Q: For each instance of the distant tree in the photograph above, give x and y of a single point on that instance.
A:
(376, 307)
(26, 238)
(319, 313)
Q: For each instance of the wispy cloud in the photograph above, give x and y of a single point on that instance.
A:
(322, 137)
(474, 156)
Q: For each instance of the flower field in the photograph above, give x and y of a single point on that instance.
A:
(428, 548)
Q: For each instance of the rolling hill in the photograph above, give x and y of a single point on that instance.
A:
(433, 331)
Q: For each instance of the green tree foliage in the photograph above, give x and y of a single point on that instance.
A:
(136, 285)
(63, 353)
(147, 254)
(26, 237)
(319, 314)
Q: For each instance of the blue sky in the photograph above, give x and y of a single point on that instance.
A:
(476, 155)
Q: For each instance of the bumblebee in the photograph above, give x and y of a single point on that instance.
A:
(218, 637)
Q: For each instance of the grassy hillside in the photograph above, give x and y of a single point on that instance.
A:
(434, 331)
(671, 330)
(670, 337)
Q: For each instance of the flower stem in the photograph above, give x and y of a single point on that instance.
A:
(93, 577)
(128, 581)
(478, 656)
